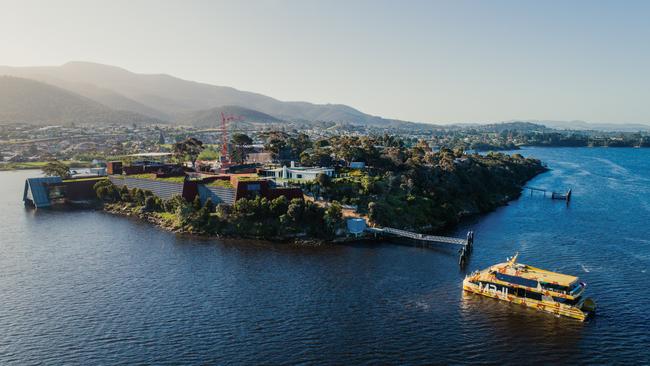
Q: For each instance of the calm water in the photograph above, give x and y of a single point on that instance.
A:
(89, 288)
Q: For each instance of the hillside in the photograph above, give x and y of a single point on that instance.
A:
(212, 117)
(170, 98)
(29, 101)
(587, 126)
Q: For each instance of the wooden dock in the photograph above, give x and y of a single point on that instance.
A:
(554, 195)
(466, 245)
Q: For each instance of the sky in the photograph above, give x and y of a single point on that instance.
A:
(427, 61)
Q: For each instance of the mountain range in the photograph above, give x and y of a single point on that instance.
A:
(589, 126)
(155, 98)
(85, 92)
(33, 102)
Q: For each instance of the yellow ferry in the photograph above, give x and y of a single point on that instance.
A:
(533, 287)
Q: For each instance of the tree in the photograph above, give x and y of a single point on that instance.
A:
(208, 205)
(56, 168)
(190, 148)
(323, 179)
(197, 203)
(279, 206)
(317, 157)
(379, 212)
(287, 147)
(298, 144)
(276, 142)
(106, 191)
(296, 209)
(150, 204)
(172, 204)
(208, 154)
(334, 216)
(322, 143)
(125, 195)
(240, 140)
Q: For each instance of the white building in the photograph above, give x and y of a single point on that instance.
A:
(298, 173)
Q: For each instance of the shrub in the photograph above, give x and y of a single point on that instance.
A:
(149, 204)
(172, 204)
(196, 203)
(125, 195)
(106, 191)
(209, 205)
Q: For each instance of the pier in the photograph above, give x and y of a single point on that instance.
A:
(554, 195)
(466, 245)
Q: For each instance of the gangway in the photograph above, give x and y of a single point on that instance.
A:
(465, 244)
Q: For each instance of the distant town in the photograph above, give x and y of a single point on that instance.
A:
(30, 146)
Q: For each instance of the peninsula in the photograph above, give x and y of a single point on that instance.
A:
(383, 180)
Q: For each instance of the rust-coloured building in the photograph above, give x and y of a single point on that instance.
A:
(114, 167)
(247, 186)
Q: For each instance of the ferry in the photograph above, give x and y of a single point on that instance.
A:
(533, 287)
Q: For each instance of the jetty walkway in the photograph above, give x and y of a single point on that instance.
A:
(466, 245)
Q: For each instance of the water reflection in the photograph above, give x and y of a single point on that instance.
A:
(511, 327)
(85, 287)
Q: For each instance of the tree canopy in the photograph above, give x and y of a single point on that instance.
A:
(56, 168)
(240, 140)
(189, 149)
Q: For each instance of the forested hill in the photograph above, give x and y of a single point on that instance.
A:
(419, 189)
(212, 117)
(33, 102)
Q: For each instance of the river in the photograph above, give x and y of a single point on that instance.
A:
(85, 287)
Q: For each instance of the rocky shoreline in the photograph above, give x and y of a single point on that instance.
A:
(126, 210)
(168, 224)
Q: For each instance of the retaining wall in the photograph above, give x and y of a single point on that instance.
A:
(164, 190)
(217, 194)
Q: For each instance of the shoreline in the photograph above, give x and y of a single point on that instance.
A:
(156, 220)
(159, 222)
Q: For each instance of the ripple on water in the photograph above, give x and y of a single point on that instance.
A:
(88, 288)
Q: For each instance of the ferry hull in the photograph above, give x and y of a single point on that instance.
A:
(546, 306)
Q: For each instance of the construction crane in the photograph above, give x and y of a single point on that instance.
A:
(225, 119)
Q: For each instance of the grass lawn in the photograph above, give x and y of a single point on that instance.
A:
(221, 183)
(41, 164)
(83, 179)
(167, 216)
(152, 176)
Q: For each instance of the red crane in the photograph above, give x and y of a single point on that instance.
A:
(225, 119)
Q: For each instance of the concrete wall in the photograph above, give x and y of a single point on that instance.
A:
(164, 190)
(217, 194)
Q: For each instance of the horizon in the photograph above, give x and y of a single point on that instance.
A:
(451, 123)
(587, 63)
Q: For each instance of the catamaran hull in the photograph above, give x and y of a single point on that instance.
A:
(546, 306)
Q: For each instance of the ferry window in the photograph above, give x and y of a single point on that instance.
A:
(516, 280)
(554, 287)
(575, 288)
(567, 301)
(521, 292)
(534, 295)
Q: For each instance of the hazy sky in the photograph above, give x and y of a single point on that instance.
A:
(430, 61)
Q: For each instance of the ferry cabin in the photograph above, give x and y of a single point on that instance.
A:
(526, 285)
